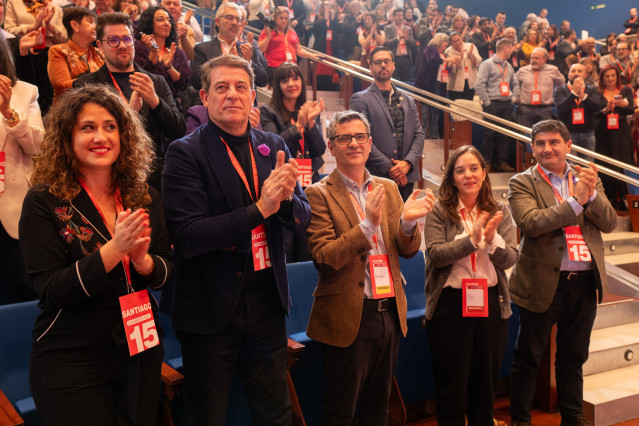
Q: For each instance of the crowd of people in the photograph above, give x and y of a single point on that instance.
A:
(118, 177)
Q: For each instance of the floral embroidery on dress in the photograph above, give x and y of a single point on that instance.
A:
(64, 213)
(70, 231)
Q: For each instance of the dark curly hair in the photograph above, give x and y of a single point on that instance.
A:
(448, 193)
(145, 25)
(57, 165)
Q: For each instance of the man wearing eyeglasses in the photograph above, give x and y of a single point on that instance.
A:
(359, 227)
(145, 92)
(398, 138)
(229, 20)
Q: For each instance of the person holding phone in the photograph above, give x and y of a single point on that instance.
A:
(613, 133)
(157, 51)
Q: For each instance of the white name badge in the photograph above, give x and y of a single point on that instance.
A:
(329, 35)
(504, 89)
(381, 278)
(578, 250)
(289, 56)
(535, 97)
(259, 246)
(612, 121)
(475, 297)
(313, 15)
(466, 73)
(139, 325)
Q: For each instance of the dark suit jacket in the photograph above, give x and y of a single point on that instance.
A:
(534, 278)
(339, 249)
(565, 102)
(314, 145)
(371, 103)
(164, 123)
(212, 49)
(211, 228)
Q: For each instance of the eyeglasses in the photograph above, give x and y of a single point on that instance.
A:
(360, 138)
(231, 18)
(382, 62)
(114, 41)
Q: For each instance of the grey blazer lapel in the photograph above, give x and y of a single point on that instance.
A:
(377, 94)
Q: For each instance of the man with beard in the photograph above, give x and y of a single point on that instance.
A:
(537, 83)
(145, 92)
(485, 39)
(398, 138)
(623, 61)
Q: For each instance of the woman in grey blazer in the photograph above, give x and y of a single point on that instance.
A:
(470, 241)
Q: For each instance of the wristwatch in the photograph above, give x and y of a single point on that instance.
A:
(13, 119)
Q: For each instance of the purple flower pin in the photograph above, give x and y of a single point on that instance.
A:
(264, 150)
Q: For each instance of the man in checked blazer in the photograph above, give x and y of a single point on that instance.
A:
(398, 138)
(359, 314)
(558, 274)
(229, 19)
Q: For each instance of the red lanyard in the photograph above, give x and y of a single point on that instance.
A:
(486, 37)
(115, 83)
(240, 172)
(289, 4)
(612, 98)
(314, 4)
(503, 74)
(119, 208)
(301, 140)
(473, 255)
(571, 189)
(341, 9)
(361, 213)
(536, 78)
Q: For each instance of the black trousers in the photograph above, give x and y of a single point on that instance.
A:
(467, 353)
(467, 93)
(494, 141)
(573, 309)
(402, 68)
(362, 371)
(253, 344)
(532, 114)
(96, 387)
(13, 271)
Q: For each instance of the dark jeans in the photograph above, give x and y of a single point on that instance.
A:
(467, 353)
(529, 115)
(13, 271)
(573, 309)
(402, 68)
(253, 344)
(362, 372)
(494, 141)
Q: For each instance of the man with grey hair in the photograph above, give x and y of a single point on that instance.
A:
(360, 227)
(229, 19)
(537, 83)
(232, 189)
(497, 87)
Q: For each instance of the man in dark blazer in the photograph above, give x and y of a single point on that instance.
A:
(355, 315)
(561, 212)
(398, 138)
(228, 195)
(147, 93)
(229, 19)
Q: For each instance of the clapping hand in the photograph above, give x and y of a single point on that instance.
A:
(5, 95)
(169, 54)
(485, 227)
(416, 208)
(142, 83)
(278, 186)
(374, 205)
(587, 183)
(315, 108)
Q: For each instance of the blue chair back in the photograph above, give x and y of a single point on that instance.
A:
(16, 325)
(302, 280)
(414, 272)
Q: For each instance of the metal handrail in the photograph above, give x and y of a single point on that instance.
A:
(419, 95)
